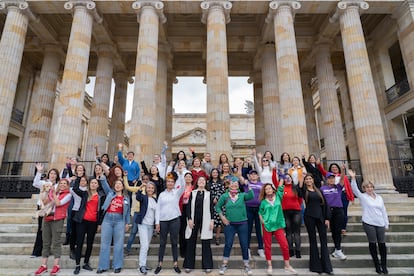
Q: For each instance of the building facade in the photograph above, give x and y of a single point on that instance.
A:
(336, 76)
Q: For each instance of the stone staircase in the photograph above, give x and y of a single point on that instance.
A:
(18, 230)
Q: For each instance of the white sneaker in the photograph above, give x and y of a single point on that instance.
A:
(339, 254)
(261, 253)
(291, 270)
(248, 251)
(223, 269)
(269, 271)
(247, 270)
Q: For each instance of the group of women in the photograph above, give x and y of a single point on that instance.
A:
(192, 197)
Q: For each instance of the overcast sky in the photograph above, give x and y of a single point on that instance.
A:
(189, 95)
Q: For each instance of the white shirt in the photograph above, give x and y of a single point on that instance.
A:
(168, 202)
(373, 209)
(149, 218)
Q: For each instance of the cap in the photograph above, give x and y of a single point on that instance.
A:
(329, 174)
(252, 171)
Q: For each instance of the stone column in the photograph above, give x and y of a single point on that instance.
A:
(405, 19)
(293, 126)
(331, 115)
(271, 107)
(169, 113)
(367, 119)
(311, 127)
(161, 97)
(70, 100)
(144, 111)
(258, 112)
(11, 53)
(98, 122)
(36, 137)
(216, 15)
(117, 126)
(351, 139)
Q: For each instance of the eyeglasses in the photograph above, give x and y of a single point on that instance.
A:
(265, 160)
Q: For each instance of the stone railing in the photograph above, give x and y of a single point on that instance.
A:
(397, 90)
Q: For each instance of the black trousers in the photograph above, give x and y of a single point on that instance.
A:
(318, 263)
(336, 224)
(73, 231)
(172, 227)
(87, 228)
(38, 245)
(206, 255)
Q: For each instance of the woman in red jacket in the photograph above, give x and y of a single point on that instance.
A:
(53, 225)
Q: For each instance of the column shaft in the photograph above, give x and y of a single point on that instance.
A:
(259, 117)
(67, 137)
(144, 107)
(367, 118)
(311, 127)
(11, 53)
(271, 106)
(98, 123)
(351, 139)
(169, 112)
(293, 124)
(331, 115)
(117, 126)
(218, 116)
(36, 139)
(160, 125)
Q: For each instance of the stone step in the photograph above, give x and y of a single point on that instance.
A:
(27, 233)
(354, 261)
(348, 248)
(167, 271)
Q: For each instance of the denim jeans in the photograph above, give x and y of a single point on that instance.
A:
(229, 233)
(113, 225)
(133, 234)
(253, 217)
(145, 236)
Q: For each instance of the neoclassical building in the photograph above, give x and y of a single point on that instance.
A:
(336, 75)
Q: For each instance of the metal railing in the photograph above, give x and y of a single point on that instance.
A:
(397, 90)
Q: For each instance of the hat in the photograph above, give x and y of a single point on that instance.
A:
(252, 171)
(329, 174)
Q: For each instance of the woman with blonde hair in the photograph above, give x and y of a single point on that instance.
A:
(374, 220)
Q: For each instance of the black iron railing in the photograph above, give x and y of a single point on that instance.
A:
(397, 90)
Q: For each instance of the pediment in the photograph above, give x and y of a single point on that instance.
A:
(194, 136)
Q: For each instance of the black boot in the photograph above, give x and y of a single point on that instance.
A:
(374, 255)
(383, 254)
(291, 252)
(67, 239)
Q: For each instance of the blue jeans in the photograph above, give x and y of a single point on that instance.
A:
(113, 225)
(145, 236)
(253, 216)
(133, 234)
(229, 233)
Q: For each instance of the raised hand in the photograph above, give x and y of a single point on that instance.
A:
(39, 167)
(352, 174)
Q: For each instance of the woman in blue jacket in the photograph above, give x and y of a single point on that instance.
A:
(114, 225)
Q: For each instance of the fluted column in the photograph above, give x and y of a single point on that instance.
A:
(98, 122)
(161, 101)
(331, 116)
(311, 127)
(216, 15)
(117, 126)
(405, 19)
(256, 79)
(367, 119)
(36, 138)
(271, 106)
(70, 100)
(169, 114)
(293, 125)
(144, 110)
(11, 53)
(351, 139)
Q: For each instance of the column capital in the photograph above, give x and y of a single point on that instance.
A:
(404, 15)
(122, 76)
(105, 49)
(139, 5)
(255, 77)
(224, 5)
(342, 6)
(21, 5)
(277, 4)
(88, 4)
